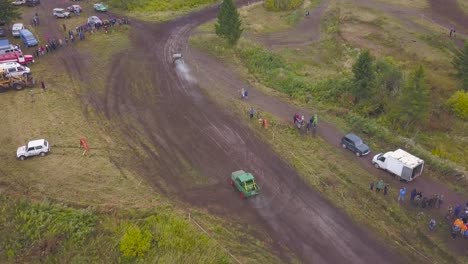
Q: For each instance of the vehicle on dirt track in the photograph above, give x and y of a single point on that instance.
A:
(244, 183)
(177, 57)
(400, 163)
(33, 148)
(18, 2)
(60, 13)
(355, 144)
(16, 82)
(100, 7)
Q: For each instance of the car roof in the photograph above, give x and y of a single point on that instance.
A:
(18, 25)
(9, 64)
(37, 142)
(58, 9)
(353, 137)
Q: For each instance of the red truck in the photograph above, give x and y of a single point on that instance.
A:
(17, 57)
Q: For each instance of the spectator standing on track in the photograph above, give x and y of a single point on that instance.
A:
(385, 190)
(64, 27)
(43, 86)
(372, 186)
(401, 196)
(252, 112)
(379, 186)
(432, 224)
(246, 94)
(457, 211)
(413, 194)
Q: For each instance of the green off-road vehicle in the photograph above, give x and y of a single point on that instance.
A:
(245, 183)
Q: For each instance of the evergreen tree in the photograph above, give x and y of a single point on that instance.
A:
(364, 76)
(460, 62)
(8, 12)
(414, 100)
(229, 22)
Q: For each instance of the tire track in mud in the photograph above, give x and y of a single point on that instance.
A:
(187, 128)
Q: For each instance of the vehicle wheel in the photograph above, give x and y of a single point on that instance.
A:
(358, 154)
(17, 86)
(42, 154)
(242, 196)
(22, 157)
(376, 166)
(231, 182)
(28, 63)
(343, 145)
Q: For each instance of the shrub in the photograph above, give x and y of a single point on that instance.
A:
(458, 104)
(281, 5)
(135, 242)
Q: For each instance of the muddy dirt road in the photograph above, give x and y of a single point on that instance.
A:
(150, 96)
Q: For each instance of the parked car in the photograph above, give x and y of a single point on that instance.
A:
(9, 48)
(74, 8)
(28, 38)
(33, 148)
(60, 13)
(17, 57)
(93, 20)
(2, 32)
(13, 69)
(355, 144)
(33, 2)
(400, 163)
(100, 7)
(15, 30)
(18, 2)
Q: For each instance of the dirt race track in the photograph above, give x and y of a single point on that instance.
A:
(151, 98)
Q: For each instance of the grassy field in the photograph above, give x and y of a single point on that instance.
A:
(125, 220)
(264, 21)
(318, 69)
(157, 10)
(464, 5)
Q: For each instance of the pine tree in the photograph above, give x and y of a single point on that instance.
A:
(364, 76)
(414, 100)
(460, 62)
(229, 22)
(8, 12)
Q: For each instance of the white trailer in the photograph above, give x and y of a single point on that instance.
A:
(400, 163)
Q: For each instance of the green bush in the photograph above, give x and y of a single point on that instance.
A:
(458, 104)
(135, 242)
(282, 5)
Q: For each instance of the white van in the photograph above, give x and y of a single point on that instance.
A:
(14, 69)
(15, 30)
(33, 148)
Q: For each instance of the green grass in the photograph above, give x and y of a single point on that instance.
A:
(157, 10)
(46, 232)
(256, 19)
(463, 5)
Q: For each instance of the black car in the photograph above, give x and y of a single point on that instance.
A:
(33, 2)
(355, 144)
(2, 32)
